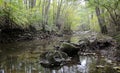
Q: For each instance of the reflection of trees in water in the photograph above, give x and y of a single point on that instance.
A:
(77, 65)
(23, 58)
(16, 65)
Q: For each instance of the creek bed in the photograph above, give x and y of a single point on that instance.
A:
(23, 57)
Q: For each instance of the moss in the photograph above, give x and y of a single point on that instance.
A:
(117, 37)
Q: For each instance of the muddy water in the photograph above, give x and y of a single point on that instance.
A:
(23, 57)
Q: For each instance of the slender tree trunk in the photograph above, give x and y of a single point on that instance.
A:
(32, 3)
(58, 14)
(39, 5)
(53, 12)
(101, 20)
(43, 10)
(47, 11)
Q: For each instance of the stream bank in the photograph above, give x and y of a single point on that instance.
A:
(17, 35)
(24, 56)
(92, 44)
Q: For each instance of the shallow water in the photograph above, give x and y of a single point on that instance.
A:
(23, 57)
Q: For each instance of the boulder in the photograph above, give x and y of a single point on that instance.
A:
(91, 43)
(69, 48)
(97, 41)
(53, 59)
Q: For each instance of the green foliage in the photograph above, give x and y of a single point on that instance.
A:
(23, 15)
(111, 12)
(72, 15)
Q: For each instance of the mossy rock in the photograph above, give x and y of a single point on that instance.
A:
(117, 37)
(69, 48)
(117, 68)
(98, 41)
(53, 59)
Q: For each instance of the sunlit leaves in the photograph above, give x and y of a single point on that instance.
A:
(72, 13)
(1, 3)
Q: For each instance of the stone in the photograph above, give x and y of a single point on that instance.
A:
(53, 59)
(70, 49)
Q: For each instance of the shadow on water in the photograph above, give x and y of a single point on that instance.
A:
(23, 57)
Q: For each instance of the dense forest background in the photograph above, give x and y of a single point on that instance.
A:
(61, 16)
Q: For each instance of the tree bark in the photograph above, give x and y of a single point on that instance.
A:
(32, 3)
(45, 13)
(58, 14)
(43, 10)
(101, 20)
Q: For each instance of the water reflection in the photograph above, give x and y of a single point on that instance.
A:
(23, 57)
(79, 64)
(81, 67)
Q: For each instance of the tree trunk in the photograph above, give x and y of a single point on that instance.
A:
(58, 14)
(45, 12)
(43, 18)
(101, 20)
(32, 3)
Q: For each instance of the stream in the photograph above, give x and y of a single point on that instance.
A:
(23, 57)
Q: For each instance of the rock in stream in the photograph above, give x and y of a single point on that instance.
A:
(53, 59)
